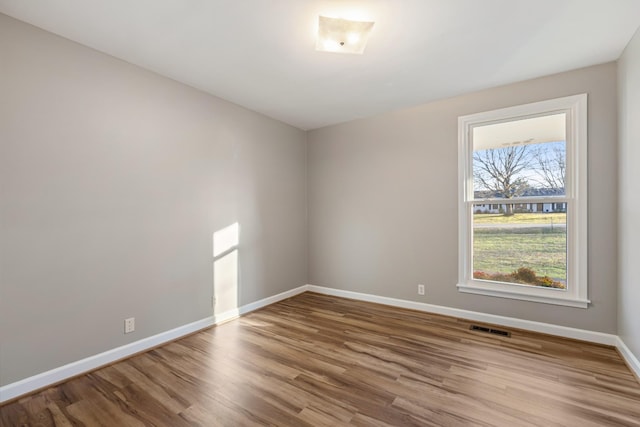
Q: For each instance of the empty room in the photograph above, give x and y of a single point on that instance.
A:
(319, 213)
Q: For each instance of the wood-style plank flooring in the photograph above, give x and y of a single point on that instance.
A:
(315, 360)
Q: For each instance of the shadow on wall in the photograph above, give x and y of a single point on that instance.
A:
(225, 268)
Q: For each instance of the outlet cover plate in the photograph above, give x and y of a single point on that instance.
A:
(129, 325)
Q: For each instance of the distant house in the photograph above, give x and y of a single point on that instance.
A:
(521, 207)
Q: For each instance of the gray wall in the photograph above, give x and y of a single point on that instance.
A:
(113, 180)
(383, 201)
(629, 196)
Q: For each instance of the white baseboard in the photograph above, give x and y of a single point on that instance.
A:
(56, 375)
(512, 322)
(629, 357)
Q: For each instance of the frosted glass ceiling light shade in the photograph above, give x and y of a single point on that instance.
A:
(342, 36)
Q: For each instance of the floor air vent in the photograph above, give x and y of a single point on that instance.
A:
(490, 330)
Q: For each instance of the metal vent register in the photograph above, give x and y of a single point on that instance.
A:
(490, 330)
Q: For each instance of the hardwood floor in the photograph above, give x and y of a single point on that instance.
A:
(315, 360)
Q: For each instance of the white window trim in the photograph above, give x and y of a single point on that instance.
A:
(576, 193)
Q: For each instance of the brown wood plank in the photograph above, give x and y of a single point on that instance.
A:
(317, 360)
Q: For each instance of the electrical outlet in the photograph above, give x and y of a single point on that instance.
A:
(420, 289)
(129, 325)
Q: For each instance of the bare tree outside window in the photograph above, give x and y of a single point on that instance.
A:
(550, 166)
(500, 172)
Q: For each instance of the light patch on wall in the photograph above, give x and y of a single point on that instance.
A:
(225, 238)
(225, 268)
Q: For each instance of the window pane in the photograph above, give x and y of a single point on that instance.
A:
(527, 248)
(520, 158)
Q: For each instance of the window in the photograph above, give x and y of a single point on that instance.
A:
(523, 202)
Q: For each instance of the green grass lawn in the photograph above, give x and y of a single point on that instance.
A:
(504, 250)
(521, 218)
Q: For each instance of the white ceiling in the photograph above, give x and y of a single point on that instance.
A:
(261, 53)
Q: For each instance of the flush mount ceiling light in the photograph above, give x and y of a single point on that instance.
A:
(342, 36)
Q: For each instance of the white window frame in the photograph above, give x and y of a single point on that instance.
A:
(575, 295)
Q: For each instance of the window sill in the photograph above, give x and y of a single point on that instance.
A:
(504, 293)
